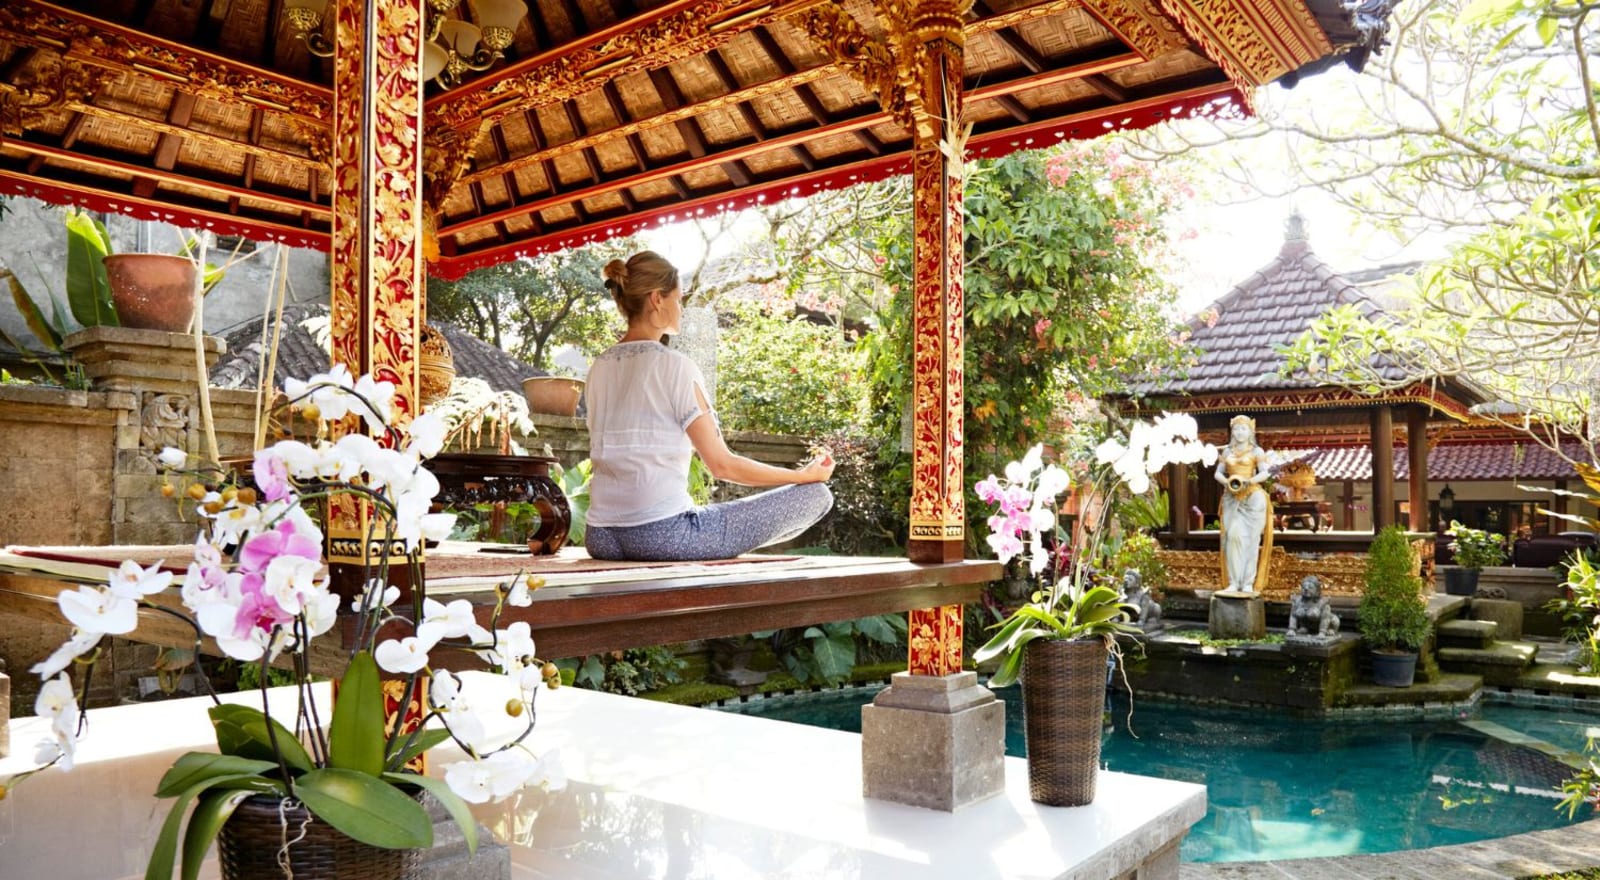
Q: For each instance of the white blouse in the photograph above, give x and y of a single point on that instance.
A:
(641, 398)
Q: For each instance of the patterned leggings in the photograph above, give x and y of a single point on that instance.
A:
(719, 531)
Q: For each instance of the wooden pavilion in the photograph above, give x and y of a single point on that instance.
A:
(416, 136)
(1344, 436)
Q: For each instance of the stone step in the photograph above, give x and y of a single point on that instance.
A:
(1517, 738)
(1472, 634)
(1446, 689)
(1500, 664)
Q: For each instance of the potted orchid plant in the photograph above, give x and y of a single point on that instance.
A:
(257, 586)
(1057, 642)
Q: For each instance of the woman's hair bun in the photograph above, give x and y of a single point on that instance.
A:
(616, 272)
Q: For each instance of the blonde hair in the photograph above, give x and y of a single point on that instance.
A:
(631, 283)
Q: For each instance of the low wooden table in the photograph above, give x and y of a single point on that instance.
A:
(581, 610)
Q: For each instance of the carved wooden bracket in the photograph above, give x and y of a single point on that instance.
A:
(47, 88)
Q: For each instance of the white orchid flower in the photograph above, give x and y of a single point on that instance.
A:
(79, 644)
(427, 435)
(1021, 471)
(321, 612)
(130, 581)
(99, 611)
(290, 580)
(1052, 482)
(494, 778)
(441, 621)
(59, 704)
(403, 656)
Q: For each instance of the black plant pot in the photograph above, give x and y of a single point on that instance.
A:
(1460, 581)
(1394, 668)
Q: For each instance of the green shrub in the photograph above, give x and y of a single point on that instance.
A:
(1476, 548)
(786, 375)
(1393, 614)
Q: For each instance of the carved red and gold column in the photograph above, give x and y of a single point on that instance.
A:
(938, 507)
(377, 263)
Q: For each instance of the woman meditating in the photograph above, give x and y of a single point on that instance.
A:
(648, 413)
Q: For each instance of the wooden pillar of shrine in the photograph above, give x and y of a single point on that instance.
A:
(1417, 460)
(938, 506)
(1178, 504)
(376, 260)
(1382, 436)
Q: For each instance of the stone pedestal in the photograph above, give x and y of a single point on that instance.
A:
(1236, 614)
(1505, 613)
(933, 741)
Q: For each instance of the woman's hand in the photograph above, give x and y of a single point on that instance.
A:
(818, 470)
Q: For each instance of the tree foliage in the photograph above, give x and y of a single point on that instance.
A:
(1065, 294)
(529, 307)
(1480, 121)
(786, 375)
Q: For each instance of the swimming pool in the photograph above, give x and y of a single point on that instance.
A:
(1282, 788)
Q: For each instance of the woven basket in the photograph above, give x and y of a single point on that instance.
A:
(251, 840)
(1063, 700)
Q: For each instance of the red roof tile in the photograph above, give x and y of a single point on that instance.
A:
(1459, 462)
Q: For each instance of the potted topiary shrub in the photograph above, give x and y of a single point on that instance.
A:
(1393, 615)
(1473, 549)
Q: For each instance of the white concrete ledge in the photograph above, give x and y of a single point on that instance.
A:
(657, 790)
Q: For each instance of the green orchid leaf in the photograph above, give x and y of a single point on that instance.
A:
(210, 814)
(1001, 642)
(196, 767)
(356, 733)
(165, 852)
(365, 808)
(452, 803)
(403, 754)
(242, 731)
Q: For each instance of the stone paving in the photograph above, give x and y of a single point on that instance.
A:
(1539, 852)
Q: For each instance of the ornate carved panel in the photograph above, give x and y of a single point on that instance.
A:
(934, 640)
(90, 42)
(1253, 42)
(1139, 23)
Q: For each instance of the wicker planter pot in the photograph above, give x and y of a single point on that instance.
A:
(250, 842)
(1063, 701)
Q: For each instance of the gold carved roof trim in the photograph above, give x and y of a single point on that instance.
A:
(1320, 398)
(91, 41)
(1139, 23)
(1253, 41)
(689, 28)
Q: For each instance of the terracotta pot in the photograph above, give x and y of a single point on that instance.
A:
(1063, 704)
(152, 291)
(553, 395)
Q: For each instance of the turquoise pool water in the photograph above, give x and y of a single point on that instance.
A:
(1281, 788)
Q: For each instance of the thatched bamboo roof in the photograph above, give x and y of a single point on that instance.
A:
(605, 114)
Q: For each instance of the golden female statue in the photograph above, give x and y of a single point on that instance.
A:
(1246, 509)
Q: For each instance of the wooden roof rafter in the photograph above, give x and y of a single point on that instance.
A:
(606, 115)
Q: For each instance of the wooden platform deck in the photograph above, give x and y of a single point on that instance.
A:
(584, 608)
